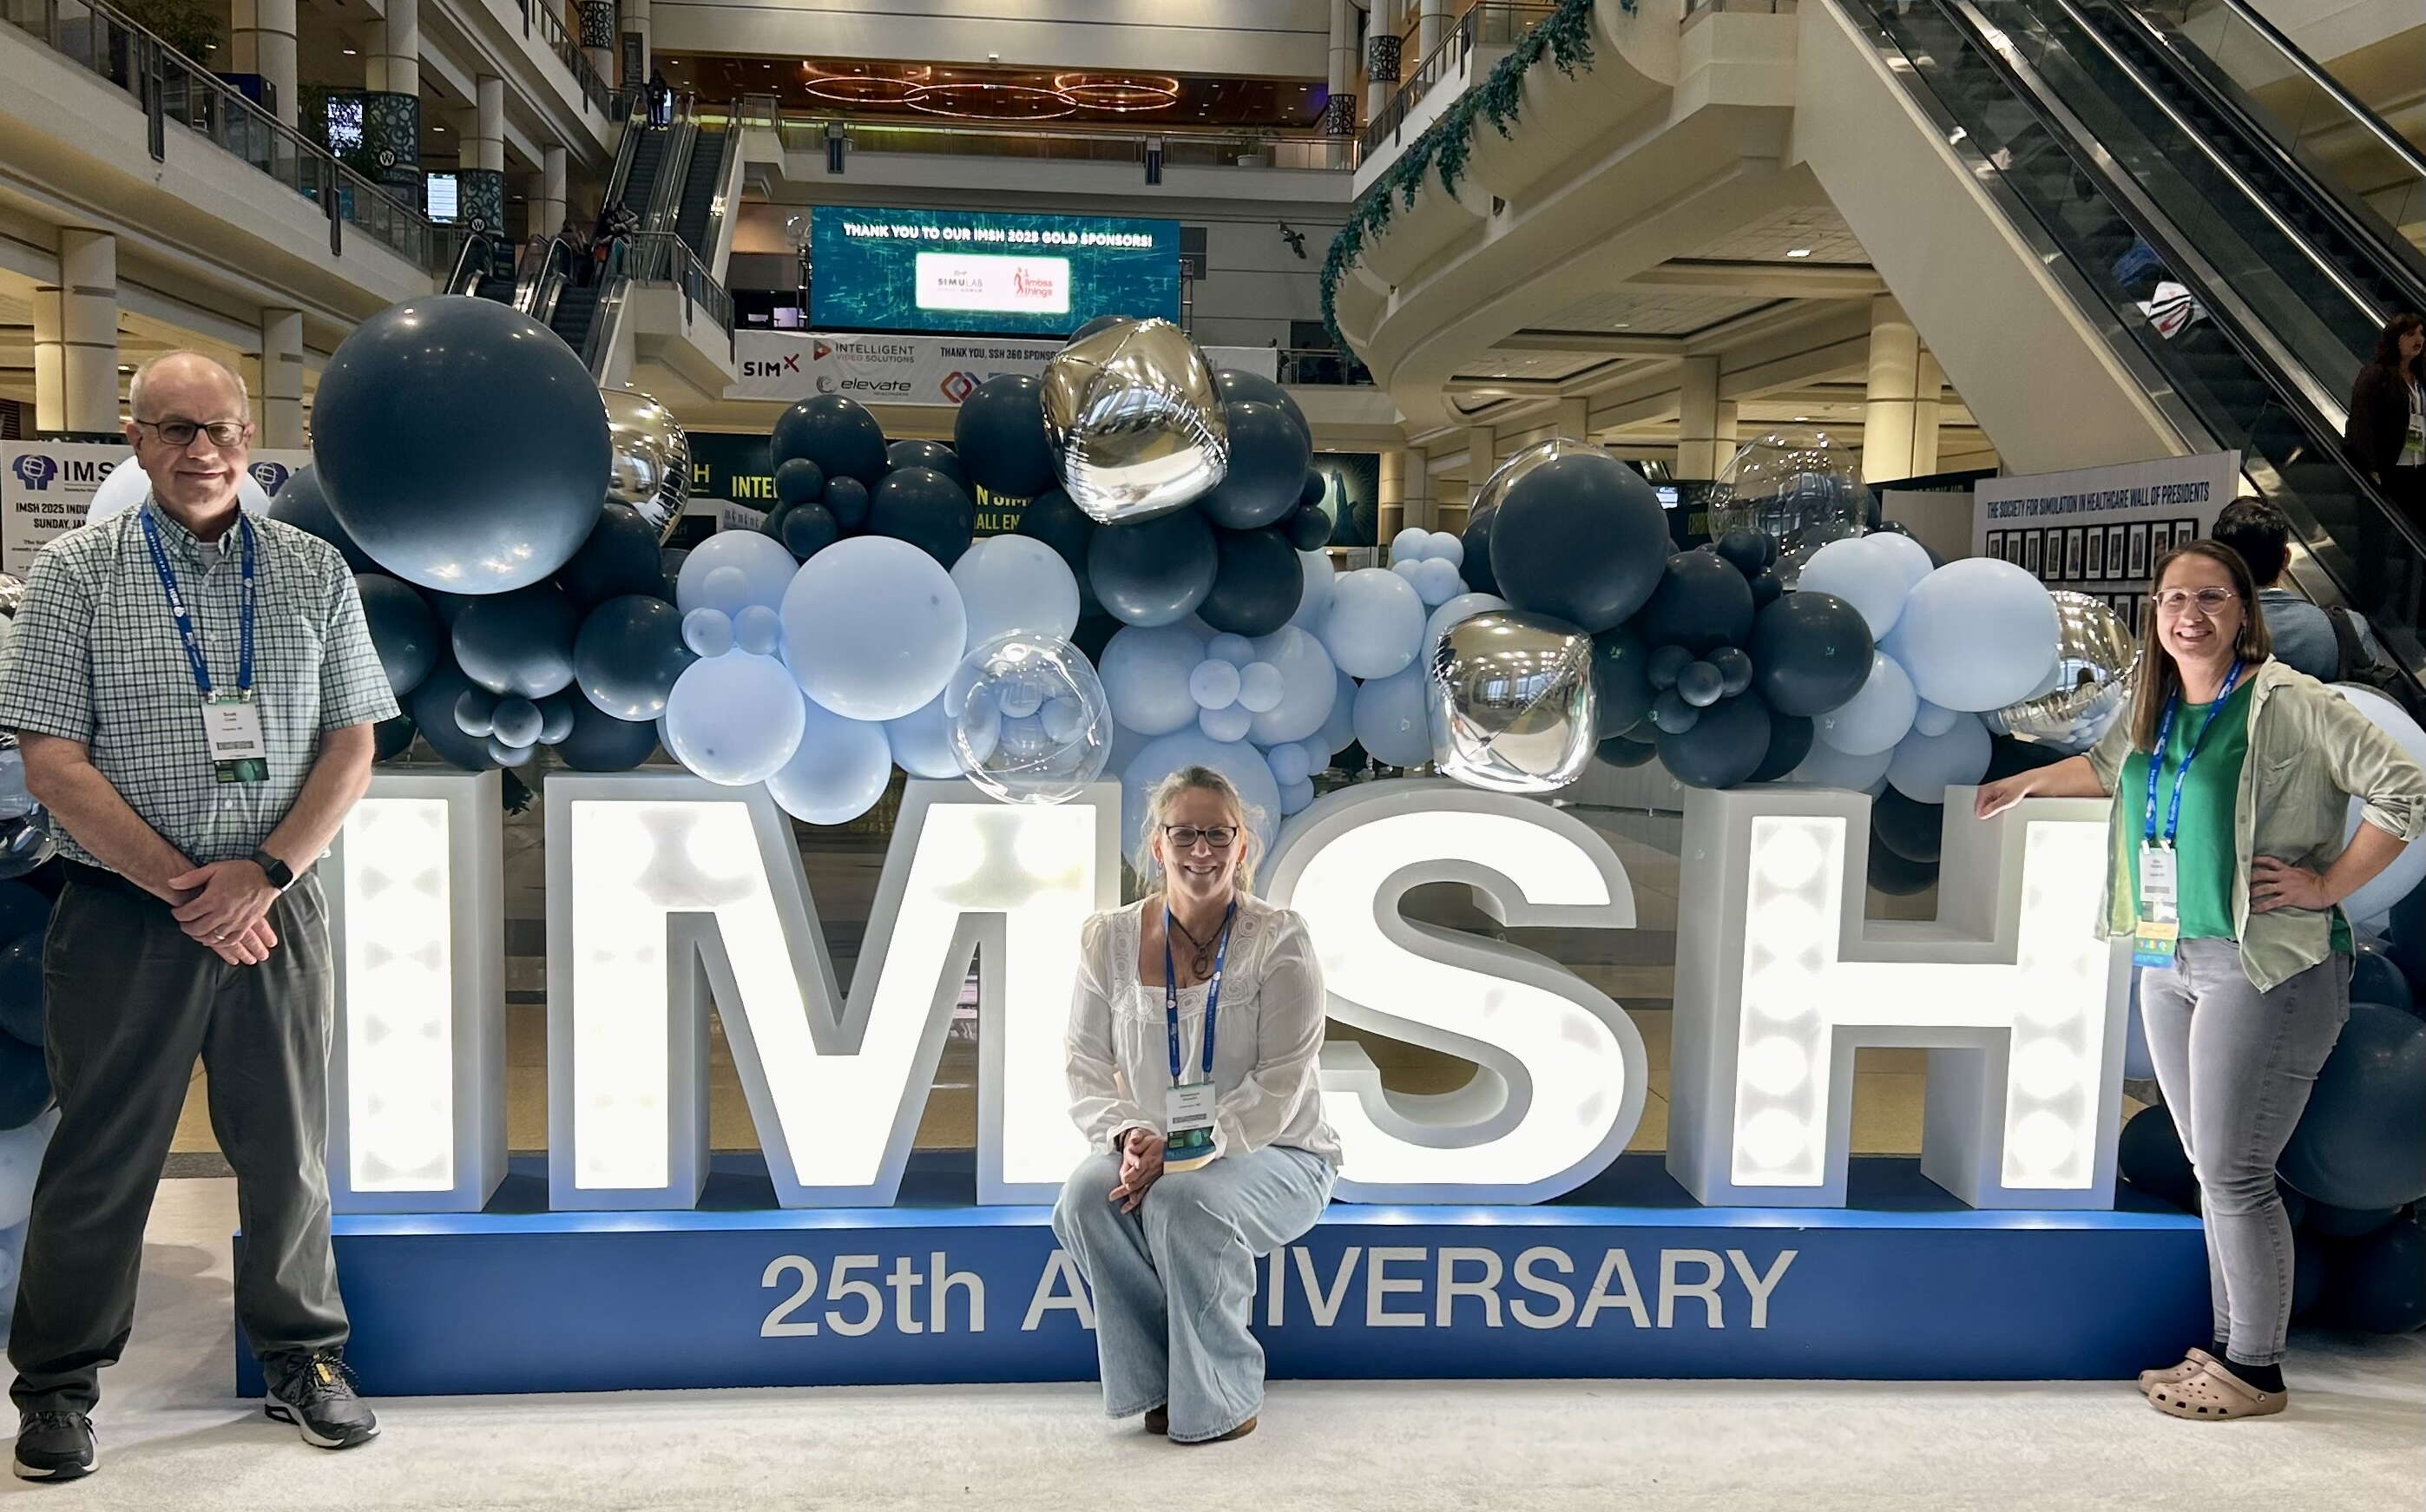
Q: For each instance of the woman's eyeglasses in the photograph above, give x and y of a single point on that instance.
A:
(2209, 601)
(1184, 837)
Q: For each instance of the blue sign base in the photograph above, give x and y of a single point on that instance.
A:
(1625, 1278)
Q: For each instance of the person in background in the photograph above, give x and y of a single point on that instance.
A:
(661, 100)
(194, 691)
(2304, 634)
(2232, 775)
(580, 261)
(2385, 433)
(1205, 1116)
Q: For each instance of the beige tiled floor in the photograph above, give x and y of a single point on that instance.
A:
(1635, 967)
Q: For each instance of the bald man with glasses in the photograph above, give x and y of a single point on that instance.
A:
(194, 691)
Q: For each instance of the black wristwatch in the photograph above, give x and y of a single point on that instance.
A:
(282, 876)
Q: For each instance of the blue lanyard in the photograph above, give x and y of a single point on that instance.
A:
(2156, 758)
(185, 631)
(1212, 993)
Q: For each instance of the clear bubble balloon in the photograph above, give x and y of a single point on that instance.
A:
(1511, 702)
(1030, 720)
(2095, 656)
(1796, 485)
(1134, 415)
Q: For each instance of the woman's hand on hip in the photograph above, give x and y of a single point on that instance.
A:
(1140, 1168)
(2278, 884)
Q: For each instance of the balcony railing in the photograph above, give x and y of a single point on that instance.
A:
(1321, 366)
(172, 89)
(661, 257)
(543, 15)
(805, 132)
(1486, 24)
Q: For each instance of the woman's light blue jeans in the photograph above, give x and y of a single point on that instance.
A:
(1173, 1281)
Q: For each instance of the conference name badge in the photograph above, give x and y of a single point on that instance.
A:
(2160, 930)
(232, 727)
(1188, 1119)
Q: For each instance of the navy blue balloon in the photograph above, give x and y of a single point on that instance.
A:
(2330, 1222)
(516, 722)
(391, 738)
(2375, 977)
(305, 504)
(1810, 651)
(999, 434)
(1790, 742)
(1912, 830)
(1476, 538)
(1622, 750)
(1621, 681)
(2310, 1259)
(1257, 582)
(837, 434)
(1766, 590)
(2362, 1141)
(1235, 386)
(2149, 1156)
(403, 630)
(1672, 714)
(519, 642)
(555, 715)
(1308, 529)
(1580, 538)
(1735, 669)
(1701, 604)
(1153, 571)
(601, 743)
(476, 713)
(1663, 666)
(24, 1084)
(506, 755)
(2405, 935)
(2378, 1284)
(23, 911)
(847, 501)
(808, 529)
(1701, 684)
(1310, 496)
(620, 556)
(628, 654)
(929, 454)
(800, 481)
(461, 443)
(1748, 552)
(433, 708)
(1268, 455)
(1896, 876)
(21, 987)
(924, 508)
(1051, 518)
(1722, 747)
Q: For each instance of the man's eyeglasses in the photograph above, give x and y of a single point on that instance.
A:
(1184, 837)
(182, 432)
(2210, 600)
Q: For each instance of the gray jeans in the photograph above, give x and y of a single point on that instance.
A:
(1174, 1280)
(2237, 1066)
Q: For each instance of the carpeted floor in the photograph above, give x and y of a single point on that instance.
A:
(173, 1437)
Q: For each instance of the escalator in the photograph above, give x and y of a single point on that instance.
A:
(2216, 264)
(696, 215)
(582, 303)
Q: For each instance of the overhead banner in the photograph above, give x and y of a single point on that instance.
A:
(46, 489)
(2101, 530)
(987, 271)
(927, 370)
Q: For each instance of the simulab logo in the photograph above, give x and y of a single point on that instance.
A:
(769, 367)
(270, 475)
(34, 471)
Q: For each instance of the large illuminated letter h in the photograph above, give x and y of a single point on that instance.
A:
(1780, 978)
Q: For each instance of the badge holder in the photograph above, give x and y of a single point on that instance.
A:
(1188, 1114)
(2159, 929)
(232, 723)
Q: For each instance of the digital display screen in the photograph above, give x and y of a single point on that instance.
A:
(445, 198)
(984, 272)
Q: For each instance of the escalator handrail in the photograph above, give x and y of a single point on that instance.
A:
(546, 262)
(461, 280)
(2216, 159)
(665, 192)
(2396, 257)
(2374, 124)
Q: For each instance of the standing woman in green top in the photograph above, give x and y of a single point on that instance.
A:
(2228, 865)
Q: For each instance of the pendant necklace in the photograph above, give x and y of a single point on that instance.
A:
(1199, 959)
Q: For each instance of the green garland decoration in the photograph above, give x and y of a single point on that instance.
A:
(1447, 144)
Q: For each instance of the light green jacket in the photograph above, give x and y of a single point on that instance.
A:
(2311, 753)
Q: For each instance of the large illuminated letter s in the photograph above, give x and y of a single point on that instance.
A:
(1561, 1075)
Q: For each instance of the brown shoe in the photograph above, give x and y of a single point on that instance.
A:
(2215, 1393)
(1157, 1420)
(1240, 1432)
(2196, 1360)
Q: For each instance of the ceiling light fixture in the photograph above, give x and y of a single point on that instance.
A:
(1000, 102)
(1118, 92)
(1799, 251)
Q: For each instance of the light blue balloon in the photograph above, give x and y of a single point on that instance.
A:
(1261, 688)
(837, 773)
(1317, 750)
(1447, 546)
(1338, 729)
(1214, 684)
(1309, 686)
(707, 632)
(1924, 765)
(1145, 670)
(1016, 583)
(1976, 634)
(21, 1149)
(1412, 544)
(1864, 572)
(1909, 555)
(1827, 767)
(1229, 722)
(734, 719)
(1296, 796)
(1391, 720)
(1930, 719)
(1236, 650)
(1242, 764)
(1314, 600)
(1436, 581)
(921, 741)
(1376, 623)
(758, 630)
(765, 566)
(873, 627)
(1463, 606)
(1874, 718)
(1290, 764)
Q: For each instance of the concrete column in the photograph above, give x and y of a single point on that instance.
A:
(394, 63)
(1927, 392)
(281, 398)
(1343, 70)
(1727, 436)
(547, 210)
(1697, 419)
(486, 150)
(1574, 417)
(1418, 501)
(1889, 393)
(635, 23)
(1432, 21)
(1481, 457)
(1392, 498)
(261, 40)
(75, 337)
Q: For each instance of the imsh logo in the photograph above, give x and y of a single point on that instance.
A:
(769, 367)
(35, 470)
(270, 475)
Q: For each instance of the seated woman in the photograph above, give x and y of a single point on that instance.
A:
(1194, 1037)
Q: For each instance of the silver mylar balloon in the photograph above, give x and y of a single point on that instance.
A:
(2096, 656)
(1135, 418)
(652, 458)
(1511, 702)
(1504, 476)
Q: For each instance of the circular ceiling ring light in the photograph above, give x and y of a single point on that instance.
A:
(864, 88)
(1118, 92)
(989, 101)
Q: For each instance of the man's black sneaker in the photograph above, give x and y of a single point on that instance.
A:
(54, 1446)
(314, 1393)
